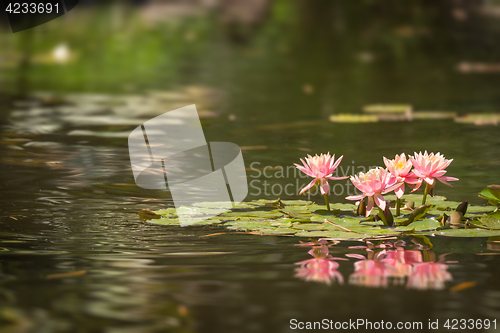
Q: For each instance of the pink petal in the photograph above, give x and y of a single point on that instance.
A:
(427, 167)
(369, 206)
(413, 161)
(411, 179)
(429, 180)
(391, 188)
(439, 173)
(305, 170)
(379, 200)
(338, 161)
(356, 197)
(356, 256)
(387, 162)
(324, 187)
(450, 179)
(308, 186)
(417, 185)
(400, 191)
(444, 180)
(447, 164)
(337, 178)
(418, 173)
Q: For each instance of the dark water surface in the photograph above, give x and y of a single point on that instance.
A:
(75, 257)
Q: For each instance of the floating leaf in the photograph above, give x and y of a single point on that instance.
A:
(467, 233)
(221, 205)
(491, 221)
(169, 212)
(257, 213)
(425, 225)
(166, 221)
(486, 194)
(387, 108)
(479, 119)
(297, 202)
(494, 190)
(479, 209)
(353, 118)
(275, 231)
(305, 219)
(309, 226)
(492, 194)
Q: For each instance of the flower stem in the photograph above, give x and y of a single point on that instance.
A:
(382, 216)
(327, 203)
(398, 206)
(425, 193)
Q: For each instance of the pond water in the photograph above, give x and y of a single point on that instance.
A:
(76, 257)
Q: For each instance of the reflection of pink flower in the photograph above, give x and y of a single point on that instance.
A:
(373, 184)
(322, 268)
(430, 166)
(377, 267)
(400, 261)
(429, 275)
(321, 169)
(369, 273)
(400, 168)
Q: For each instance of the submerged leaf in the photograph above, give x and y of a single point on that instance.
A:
(423, 241)
(492, 194)
(417, 214)
(491, 221)
(146, 214)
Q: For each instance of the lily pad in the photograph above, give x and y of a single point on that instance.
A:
(491, 221)
(304, 219)
(425, 225)
(468, 233)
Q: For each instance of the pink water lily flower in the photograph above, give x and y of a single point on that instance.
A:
(373, 184)
(428, 167)
(321, 169)
(400, 168)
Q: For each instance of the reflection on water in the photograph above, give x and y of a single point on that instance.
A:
(322, 268)
(385, 264)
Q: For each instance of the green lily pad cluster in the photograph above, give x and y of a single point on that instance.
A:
(307, 219)
(492, 194)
